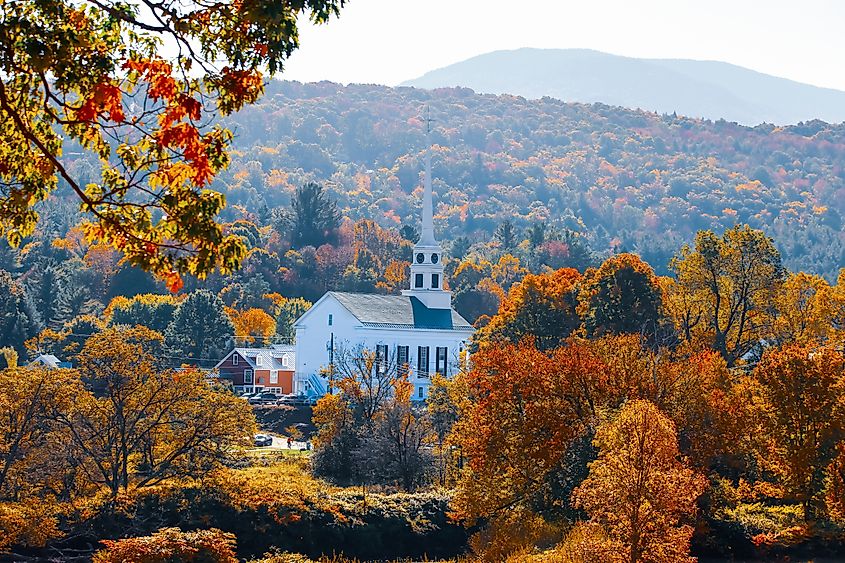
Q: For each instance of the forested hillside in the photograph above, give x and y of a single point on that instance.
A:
(627, 180)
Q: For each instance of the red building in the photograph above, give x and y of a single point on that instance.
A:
(259, 369)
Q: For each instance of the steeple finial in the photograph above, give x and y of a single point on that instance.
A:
(427, 236)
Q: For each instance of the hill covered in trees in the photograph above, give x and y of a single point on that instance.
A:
(709, 89)
(625, 180)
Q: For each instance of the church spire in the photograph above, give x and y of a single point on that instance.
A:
(426, 283)
(427, 236)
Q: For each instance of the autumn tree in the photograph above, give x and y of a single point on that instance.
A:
(526, 424)
(171, 544)
(475, 294)
(733, 281)
(137, 425)
(396, 447)
(806, 310)
(638, 490)
(289, 311)
(369, 431)
(252, 325)
(336, 439)
(542, 306)
(92, 73)
(621, 296)
(442, 407)
(315, 218)
(518, 430)
(150, 310)
(30, 447)
(799, 396)
(201, 331)
(19, 319)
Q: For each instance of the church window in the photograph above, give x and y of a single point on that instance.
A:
(435, 281)
(381, 358)
(418, 280)
(402, 359)
(440, 360)
(422, 361)
(434, 258)
(330, 320)
(420, 258)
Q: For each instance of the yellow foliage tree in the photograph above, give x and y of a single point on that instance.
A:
(732, 281)
(252, 325)
(637, 490)
(806, 310)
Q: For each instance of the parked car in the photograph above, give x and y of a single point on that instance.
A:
(262, 440)
(269, 398)
(248, 396)
(287, 399)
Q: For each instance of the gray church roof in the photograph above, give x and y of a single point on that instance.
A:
(399, 311)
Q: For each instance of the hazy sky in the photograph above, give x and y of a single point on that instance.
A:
(388, 41)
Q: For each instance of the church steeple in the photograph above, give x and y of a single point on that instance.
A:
(426, 283)
(427, 236)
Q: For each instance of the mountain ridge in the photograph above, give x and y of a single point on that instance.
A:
(704, 89)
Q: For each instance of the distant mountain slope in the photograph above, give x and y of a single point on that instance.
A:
(625, 179)
(708, 89)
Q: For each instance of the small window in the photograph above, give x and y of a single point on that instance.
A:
(331, 319)
(402, 359)
(418, 280)
(381, 359)
(434, 258)
(247, 376)
(234, 359)
(274, 377)
(422, 361)
(286, 360)
(421, 393)
(435, 281)
(259, 361)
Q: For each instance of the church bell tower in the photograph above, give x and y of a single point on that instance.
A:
(427, 265)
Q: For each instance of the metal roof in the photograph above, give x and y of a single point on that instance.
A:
(399, 311)
(271, 358)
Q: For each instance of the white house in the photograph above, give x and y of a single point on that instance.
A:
(419, 329)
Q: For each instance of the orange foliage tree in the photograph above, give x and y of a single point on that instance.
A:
(799, 395)
(92, 73)
(638, 490)
(526, 422)
(542, 305)
(171, 544)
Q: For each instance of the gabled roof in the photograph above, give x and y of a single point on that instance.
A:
(398, 311)
(271, 358)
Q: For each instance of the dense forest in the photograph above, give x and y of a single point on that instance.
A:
(627, 180)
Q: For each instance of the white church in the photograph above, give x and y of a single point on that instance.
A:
(418, 329)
